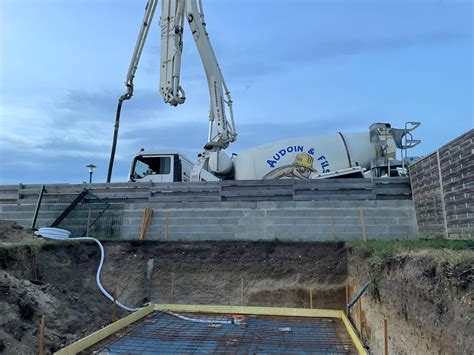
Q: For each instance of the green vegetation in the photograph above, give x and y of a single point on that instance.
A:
(385, 249)
(376, 252)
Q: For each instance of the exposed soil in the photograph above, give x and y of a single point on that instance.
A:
(10, 232)
(57, 279)
(426, 299)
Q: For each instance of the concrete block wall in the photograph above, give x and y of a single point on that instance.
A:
(246, 220)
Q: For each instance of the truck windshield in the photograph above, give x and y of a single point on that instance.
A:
(145, 166)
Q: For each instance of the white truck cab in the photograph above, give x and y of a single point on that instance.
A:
(160, 167)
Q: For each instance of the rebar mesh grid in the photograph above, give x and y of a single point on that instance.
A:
(165, 334)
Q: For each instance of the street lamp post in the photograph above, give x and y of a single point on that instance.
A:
(91, 168)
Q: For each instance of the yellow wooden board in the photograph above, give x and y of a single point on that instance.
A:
(267, 311)
(97, 336)
(353, 334)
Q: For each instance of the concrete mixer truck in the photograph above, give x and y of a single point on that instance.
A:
(372, 153)
(359, 154)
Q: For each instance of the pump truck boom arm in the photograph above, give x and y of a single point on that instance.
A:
(225, 130)
(173, 13)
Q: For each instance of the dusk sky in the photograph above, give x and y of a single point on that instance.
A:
(295, 68)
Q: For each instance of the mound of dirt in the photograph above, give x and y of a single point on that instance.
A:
(27, 292)
(22, 304)
(10, 231)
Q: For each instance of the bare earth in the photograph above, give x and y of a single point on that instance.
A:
(426, 299)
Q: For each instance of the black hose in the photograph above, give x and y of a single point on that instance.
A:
(356, 298)
(114, 142)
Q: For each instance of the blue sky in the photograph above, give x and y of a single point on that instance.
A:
(314, 68)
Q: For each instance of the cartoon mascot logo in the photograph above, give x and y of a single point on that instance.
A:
(301, 168)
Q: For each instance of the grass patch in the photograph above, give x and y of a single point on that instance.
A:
(390, 248)
(376, 252)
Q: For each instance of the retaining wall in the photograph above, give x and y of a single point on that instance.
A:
(443, 186)
(336, 209)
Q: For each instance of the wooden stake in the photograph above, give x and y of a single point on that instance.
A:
(311, 297)
(333, 225)
(362, 224)
(89, 221)
(114, 305)
(41, 336)
(172, 287)
(347, 298)
(360, 316)
(385, 337)
(145, 222)
(241, 291)
(166, 225)
(143, 225)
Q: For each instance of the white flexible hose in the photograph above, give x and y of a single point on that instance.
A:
(62, 234)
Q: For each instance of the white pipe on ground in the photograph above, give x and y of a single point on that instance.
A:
(62, 234)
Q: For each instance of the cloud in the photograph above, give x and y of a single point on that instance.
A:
(274, 61)
(53, 141)
(245, 62)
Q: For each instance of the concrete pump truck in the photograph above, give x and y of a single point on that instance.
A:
(371, 153)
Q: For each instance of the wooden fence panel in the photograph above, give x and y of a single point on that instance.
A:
(443, 185)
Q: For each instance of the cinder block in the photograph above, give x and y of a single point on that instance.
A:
(18, 208)
(15, 216)
(267, 204)
(215, 213)
(201, 236)
(406, 221)
(199, 205)
(380, 221)
(285, 212)
(355, 204)
(348, 229)
(297, 230)
(247, 204)
(375, 230)
(135, 214)
(285, 204)
(130, 230)
(229, 204)
(333, 212)
(315, 204)
(393, 203)
(346, 221)
(211, 229)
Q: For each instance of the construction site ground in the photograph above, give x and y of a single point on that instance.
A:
(424, 290)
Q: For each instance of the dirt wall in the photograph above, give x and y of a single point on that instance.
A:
(426, 300)
(58, 280)
(425, 297)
